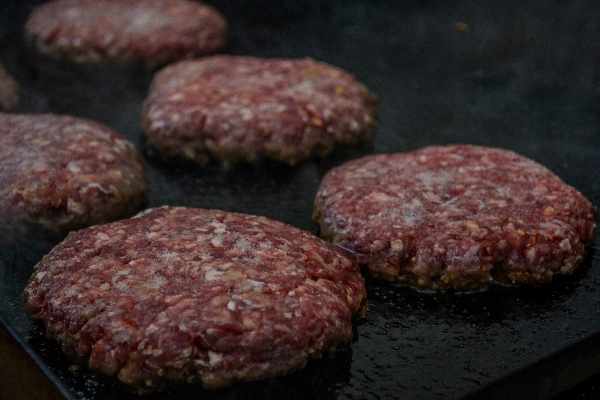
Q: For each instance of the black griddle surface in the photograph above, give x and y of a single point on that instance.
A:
(512, 74)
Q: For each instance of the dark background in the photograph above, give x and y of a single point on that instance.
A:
(512, 74)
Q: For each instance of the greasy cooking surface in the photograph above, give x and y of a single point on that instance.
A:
(524, 76)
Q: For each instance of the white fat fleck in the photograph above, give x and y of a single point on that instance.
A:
(176, 96)
(378, 196)
(102, 236)
(397, 245)
(282, 328)
(249, 323)
(122, 285)
(212, 275)
(186, 352)
(438, 249)
(97, 186)
(159, 280)
(72, 167)
(471, 226)
(246, 114)
(120, 337)
(565, 245)
(471, 254)
(107, 39)
(530, 253)
(243, 245)
(141, 19)
(74, 207)
(40, 275)
(124, 271)
(217, 241)
(214, 358)
(497, 203)
(157, 352)
(434, 179)
(225, 266)
(256, 284)
(219, 227)
(231, 305)
(40, 125)
(304, 86)
(411, 218)
(156, 125)
(264, 245)
(540, 189)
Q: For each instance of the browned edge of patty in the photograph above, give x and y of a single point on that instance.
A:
(175, 294)
(172, 30)
(539, 229)
(61, 173)
(237, 109)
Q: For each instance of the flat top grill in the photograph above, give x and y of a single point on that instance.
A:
(518, 75)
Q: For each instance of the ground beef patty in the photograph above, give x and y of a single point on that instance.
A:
(178, 293)
(64, 173)
(455, 217)
(154, 31)
(244, 108)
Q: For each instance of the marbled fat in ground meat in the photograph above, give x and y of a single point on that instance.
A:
(455, 217)
(63, 173)
(177, 293)
(156, 32)
(247, 108)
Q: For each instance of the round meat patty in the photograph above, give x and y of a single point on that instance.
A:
(154, 31)
(245, 108)
(180, 294)
(65, 173)
(455, 217)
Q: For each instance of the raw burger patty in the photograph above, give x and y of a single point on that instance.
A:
(245, 108)
(455, 217)
(176, 294)
(154, 31)
(64, 173)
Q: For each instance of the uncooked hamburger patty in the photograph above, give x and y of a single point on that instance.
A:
(455, 217)
(154, 31)
(64, 173)
(245, 108)
(177, 294)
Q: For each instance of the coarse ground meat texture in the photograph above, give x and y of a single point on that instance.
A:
(9, 91)
(235, 108)
(64, 173)
(156, 32)
(180, 293)
(455, 217)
